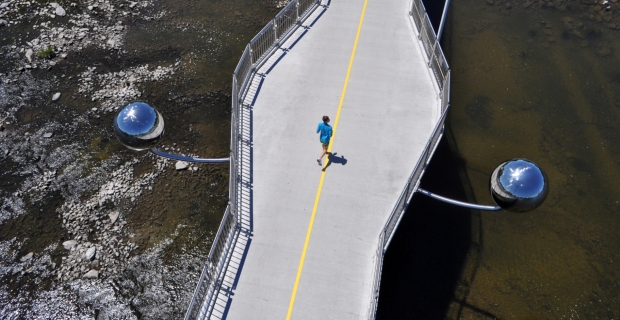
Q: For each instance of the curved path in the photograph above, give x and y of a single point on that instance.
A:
(311, 250)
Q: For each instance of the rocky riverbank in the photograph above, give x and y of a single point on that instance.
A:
(87, 228)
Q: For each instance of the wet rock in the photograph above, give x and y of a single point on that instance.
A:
(69, 244)
(490, 2)
(113, 217)
(60, 11)
(181, 165)
(26, 257)
(90, 253)
(3, 22)
(48, 135)
(29, 54)
(604, 52)
(92, 274)
(56, 96)
(508, 5)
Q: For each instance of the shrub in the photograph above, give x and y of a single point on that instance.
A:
(46, 53)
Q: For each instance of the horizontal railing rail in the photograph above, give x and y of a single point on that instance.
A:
(441, 72)
(260, 48)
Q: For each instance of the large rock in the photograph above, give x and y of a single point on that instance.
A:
(26, 257)
(69, 244)
(29, 54)
(90, 253)
(60, 11)
(113, 217)
(181, 165)
(92, 274)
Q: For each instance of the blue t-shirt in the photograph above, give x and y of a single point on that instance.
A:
(325, 130)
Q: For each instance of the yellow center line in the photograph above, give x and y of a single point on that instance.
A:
(329, 149)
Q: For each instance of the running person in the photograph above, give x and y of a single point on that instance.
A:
(325, 131)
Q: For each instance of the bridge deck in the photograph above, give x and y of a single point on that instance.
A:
(390, 108)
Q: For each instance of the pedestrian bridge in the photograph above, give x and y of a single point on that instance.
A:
(301, 241)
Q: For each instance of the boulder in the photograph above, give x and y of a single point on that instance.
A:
(181, 165)
(26, 257)
(29, 54)
(60, 11)
(113, 216)
(69, 244)
(92, 274)
(90, 253)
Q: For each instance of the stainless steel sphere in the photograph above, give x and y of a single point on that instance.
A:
(519, 185)
(138, 126)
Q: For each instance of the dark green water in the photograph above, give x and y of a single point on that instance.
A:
(539, 80)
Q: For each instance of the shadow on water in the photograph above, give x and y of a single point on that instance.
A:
(434, 9)
(425, 259)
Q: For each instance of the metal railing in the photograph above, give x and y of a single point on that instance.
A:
(439, 66)
(260, 48)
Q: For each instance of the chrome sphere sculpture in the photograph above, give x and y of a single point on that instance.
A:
(518, 185)
(140, 127)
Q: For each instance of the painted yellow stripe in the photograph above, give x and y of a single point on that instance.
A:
(318, 193)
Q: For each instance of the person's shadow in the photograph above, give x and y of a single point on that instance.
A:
(332, 158)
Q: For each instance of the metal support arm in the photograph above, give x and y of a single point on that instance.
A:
(188, 159)
(459, 203)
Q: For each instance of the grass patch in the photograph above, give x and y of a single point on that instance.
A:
(46, 53)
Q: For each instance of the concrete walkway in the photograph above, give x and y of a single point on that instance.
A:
(389, 111)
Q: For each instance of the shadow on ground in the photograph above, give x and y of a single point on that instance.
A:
(424, 261)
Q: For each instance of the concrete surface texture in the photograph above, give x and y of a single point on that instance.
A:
(388, 113)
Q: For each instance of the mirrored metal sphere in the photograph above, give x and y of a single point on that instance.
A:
(139, 126)
(519, 185)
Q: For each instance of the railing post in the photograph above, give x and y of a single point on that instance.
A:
(275, 33)
(297, 10)
(251, 54)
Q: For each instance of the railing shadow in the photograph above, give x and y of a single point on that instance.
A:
(423, 264)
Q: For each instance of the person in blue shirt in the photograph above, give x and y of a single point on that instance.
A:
(325, 133)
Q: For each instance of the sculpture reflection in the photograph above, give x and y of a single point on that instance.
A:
(519, 185)
(139, 126)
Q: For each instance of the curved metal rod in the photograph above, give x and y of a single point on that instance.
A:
(459, 203)
(188, 159)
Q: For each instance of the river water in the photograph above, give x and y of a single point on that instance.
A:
(538, 80)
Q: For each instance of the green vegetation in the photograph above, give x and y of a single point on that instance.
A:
(46, 53)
